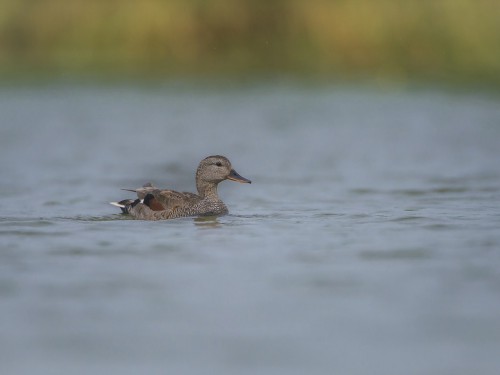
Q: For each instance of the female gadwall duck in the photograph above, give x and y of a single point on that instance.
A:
(156, 204)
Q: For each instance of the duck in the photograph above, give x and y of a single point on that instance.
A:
(163, 204)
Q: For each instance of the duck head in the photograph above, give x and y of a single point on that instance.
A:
(215, 169)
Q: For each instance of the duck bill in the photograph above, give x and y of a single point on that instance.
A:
(234, 176)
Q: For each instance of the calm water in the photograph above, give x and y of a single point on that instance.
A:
(368, 243)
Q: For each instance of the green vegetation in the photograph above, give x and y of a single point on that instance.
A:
(445, 40)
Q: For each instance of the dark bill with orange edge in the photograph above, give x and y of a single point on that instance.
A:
(234, 176)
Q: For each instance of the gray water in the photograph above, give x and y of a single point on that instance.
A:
(368, 242)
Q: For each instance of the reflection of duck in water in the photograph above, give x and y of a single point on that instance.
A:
(156, 204)
(206, 222)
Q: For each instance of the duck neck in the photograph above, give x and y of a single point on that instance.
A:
(207, 190)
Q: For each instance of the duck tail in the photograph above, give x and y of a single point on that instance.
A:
(125, 205)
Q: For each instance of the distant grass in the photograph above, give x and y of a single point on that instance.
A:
(445, 40)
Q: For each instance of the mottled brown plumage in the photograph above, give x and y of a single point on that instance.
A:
(156, 204)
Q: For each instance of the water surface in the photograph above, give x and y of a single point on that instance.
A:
(368, 242)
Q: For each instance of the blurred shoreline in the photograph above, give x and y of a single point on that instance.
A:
(445, 41)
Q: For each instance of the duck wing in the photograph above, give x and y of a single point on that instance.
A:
(146, 189)
(170, 199)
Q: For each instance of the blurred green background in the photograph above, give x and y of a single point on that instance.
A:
(454, 41)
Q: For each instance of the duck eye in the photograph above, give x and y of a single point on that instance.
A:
(219, 164)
